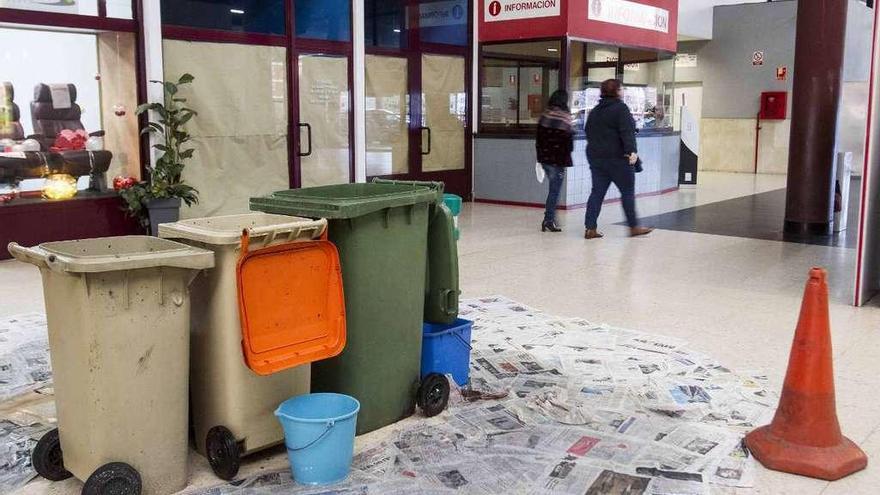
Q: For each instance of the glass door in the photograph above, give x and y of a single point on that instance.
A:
(417, 91)
(444, 113)
(387, 115)
(324, 125)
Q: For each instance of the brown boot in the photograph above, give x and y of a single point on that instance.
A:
(593, 234)
(637, 231)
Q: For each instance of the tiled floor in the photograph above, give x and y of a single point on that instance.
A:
(734, 298)
(758, 216)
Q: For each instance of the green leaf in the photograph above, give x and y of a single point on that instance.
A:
(186, 79)
(170, 88)
(187, 153)
(161, 147)
(179, 100)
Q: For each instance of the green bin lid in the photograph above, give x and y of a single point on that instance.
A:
(344, 200)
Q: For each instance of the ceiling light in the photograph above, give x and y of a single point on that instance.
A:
(553, 49)
(236, 11)
(397, 30)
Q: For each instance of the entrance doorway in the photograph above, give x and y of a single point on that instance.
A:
(418, 65)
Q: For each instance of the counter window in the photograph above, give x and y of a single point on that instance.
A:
(517, 80)
(647, 79)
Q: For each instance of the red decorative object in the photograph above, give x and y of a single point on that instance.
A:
(69, 140)
(5, 198)
(119, 110)
(120, 182)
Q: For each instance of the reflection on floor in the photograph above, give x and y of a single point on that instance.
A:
(759, 216)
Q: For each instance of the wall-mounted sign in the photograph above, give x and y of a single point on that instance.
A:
(684, 60)
(631, 14)
(508, 10)
(437, 14)
(758, 58)
(536, 77)
(781, 73)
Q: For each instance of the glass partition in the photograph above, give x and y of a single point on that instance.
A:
(517, 80)
(648, 78)
(251, 16)
(387, 111)
(443, 22)
(240, 132)
(385, 23)
(81, 7)
(328, 20)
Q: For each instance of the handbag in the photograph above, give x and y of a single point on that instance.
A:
(638, 166)
(539, 173)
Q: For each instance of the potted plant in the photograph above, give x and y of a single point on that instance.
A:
(158, 198)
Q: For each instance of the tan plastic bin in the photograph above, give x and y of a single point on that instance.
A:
(118, 313)
(232, 406)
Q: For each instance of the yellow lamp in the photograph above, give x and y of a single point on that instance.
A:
(59, 186)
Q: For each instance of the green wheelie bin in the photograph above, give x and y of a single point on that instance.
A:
(381, 232)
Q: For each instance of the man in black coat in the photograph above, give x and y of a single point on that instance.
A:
(613, 156)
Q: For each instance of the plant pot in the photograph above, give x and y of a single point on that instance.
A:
(165, 210)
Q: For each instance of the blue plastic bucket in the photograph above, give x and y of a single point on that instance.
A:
(447, 349)
(319, 433)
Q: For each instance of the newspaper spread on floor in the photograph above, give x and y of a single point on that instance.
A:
(562, 406)
(24, 355)
(555, 405)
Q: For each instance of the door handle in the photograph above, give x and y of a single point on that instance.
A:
(309, 134)
(423, 129)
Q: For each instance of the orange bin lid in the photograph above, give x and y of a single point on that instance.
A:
(291, 304)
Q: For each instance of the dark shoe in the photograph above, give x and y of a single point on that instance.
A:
(550, 227)
(637, 231)
(593, 234)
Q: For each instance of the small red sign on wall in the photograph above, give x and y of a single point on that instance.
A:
(781, 73)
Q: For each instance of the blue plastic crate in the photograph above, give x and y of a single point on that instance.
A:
(447, 349)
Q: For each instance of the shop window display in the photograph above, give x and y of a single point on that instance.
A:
(66, 126)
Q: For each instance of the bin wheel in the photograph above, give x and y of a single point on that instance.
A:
(433, 394)
(223, 452)
(47, 458)
(115, 478)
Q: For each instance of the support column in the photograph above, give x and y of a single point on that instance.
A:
(818, 65)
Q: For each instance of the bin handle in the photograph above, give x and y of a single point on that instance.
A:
(27, 255)
(330, 425)
(466, 343)
(450, 301)
(293, 230)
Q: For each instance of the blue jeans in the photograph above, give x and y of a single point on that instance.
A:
(556, 177)
(622, 174)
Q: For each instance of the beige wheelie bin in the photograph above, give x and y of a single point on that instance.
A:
(118, 314)
(232, 406)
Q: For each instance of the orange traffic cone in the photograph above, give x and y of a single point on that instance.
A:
(804, 437)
